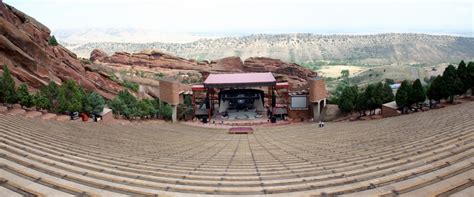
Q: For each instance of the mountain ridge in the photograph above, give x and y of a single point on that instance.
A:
(306, 47)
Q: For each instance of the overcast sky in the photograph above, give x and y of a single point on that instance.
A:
(257, 16)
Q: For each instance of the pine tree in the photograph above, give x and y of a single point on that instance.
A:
(450, 81)
(70, 97)
(93, 103)
(470, 77)
(118, 106)
(125, 105)
(48, 97)
(417, 94)
(463, 75)
(379, 94)
(7, 87)
(434, 92)
(361, 103)
(166, 112)
(52, 41)
(348, 99)
(24, 97)
(373, 94)
(402, 96)
(41, 102)
(387, 93)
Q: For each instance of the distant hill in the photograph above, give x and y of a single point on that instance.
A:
(300, 48)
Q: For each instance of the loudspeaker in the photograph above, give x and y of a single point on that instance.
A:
(273, 100)
(208, 103)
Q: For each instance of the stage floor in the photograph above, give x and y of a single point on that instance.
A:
(241, 115)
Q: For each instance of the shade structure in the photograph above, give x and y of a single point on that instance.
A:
(237, 80)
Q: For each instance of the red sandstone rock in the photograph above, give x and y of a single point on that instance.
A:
(25, 50)
(157, 61)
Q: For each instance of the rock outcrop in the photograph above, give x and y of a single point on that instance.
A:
(161, 62)
(24, 48)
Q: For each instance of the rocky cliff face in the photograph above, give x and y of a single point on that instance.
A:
(162, 62)
(25, 50)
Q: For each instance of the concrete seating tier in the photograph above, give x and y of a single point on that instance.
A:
(423, 154)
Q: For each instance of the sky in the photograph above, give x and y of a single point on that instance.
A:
(257, 16)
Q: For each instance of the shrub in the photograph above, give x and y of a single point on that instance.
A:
(131, 85)
(41, 102)
(52, 41)
(166, 112)
(7, 87)
(48, 97)
(70, 97)
(93, 103)
(24, 97)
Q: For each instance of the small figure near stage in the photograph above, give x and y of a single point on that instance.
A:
(321, 124)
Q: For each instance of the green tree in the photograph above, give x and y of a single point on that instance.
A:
(463, 76)
(132, 85)
(347, 102)
(7, 87)
(389, 81)
(118, 106)
(24, 97)
(146, 108)
(52, 41)
(125, 105)
(336, 94)
(379, 95)
(470, 77)
(166, 112)
(450, 83)
(41, 102)
(344, 74)
(70, 97)
(361, 103)
(94, 103)
(371, 97)
(387, 95)
(48, 97)
(402, 96)
(417, 94)
(434, 92)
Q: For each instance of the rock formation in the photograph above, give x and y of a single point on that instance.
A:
(161, 62)
(24, 48)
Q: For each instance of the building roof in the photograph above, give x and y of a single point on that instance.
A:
(239, 80)
(392, 105)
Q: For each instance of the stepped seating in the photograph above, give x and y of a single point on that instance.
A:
(423, 154)
(33, 114)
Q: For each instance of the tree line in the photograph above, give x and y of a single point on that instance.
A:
(70, 97)
(454, 81)
(127, 106)
(410, 95)
(354, 99)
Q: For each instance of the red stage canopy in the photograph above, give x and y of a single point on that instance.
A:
(239, 80)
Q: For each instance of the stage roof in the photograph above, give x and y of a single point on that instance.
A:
(239, 80)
